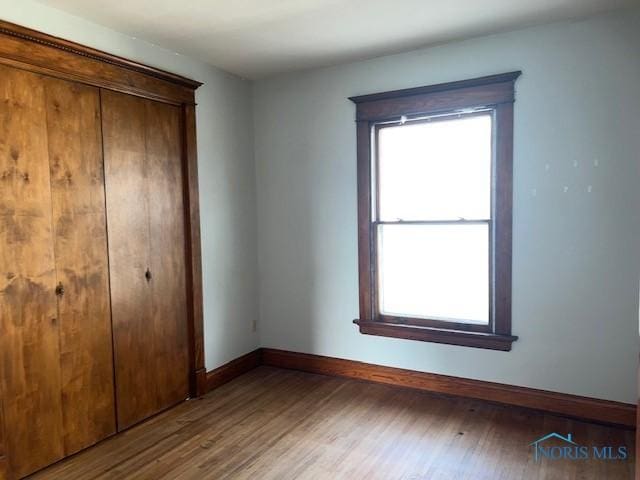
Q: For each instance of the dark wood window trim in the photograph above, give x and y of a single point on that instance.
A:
(496, 95)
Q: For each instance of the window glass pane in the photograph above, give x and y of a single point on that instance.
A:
(434, 271)
(436, 170)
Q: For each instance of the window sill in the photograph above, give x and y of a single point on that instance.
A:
(489, 341)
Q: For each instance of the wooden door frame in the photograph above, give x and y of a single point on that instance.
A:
(37, 52)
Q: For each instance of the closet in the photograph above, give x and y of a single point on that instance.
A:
(100, 293)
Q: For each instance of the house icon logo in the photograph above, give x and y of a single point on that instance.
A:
(540, 450)
(554, 446)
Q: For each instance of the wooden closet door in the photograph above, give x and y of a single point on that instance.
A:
(82, 267)
(144, 186)
(29, 329)
(167, 252)
(56, 352)
(4, 462)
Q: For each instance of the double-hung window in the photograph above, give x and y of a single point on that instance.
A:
(434, 212)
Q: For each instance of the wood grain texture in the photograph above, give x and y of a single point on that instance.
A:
(476, 92)
(142, 151)
(38, 52)
(42, 53)
(197, 376)
(123, 127)
(80, 239)
(168, 285)
(440, 87)
(574, 406)
(365, 274)
(29, 331)
(283, 425)
(233, 369)
(49, 204)
(502, 194)
(434, 103)
(4, 461)
(488, 341)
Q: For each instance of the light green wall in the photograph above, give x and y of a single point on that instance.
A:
(576, 206)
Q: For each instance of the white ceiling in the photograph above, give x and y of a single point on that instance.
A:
(257, 38)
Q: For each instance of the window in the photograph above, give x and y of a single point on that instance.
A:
(434, 212)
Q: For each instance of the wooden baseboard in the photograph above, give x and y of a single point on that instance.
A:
(584, 408)
(573, 406)
(233, 369)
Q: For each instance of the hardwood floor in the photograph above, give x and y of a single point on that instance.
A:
(281, 424)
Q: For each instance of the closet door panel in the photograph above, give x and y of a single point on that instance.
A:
(167, 226)
(128, 229)
(143, 148)
(29, 337)
(78, 205)
(4, 462)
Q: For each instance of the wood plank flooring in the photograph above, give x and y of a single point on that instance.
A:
(281, 424)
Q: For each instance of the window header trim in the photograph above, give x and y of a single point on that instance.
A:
(444, 97)
(406, 92)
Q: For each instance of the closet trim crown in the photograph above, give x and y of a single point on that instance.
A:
(39, 52)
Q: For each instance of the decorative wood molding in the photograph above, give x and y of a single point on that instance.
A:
(591, 409)
(39, 52)
(573, 406)
(35, 36)
(193, 252)
(198, 383)
(494, 96)
(489, 341)
(440, 87)
(233, 369)
(366, 286)
(432, 99)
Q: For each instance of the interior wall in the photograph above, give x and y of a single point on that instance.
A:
(226, 174)
(576, 213)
